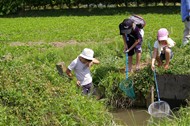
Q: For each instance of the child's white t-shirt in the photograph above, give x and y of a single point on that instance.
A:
(82, 71)
(170, 43)
(142, 32)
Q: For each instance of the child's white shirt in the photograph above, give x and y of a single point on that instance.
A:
(82, 71)
(142, 32)
(170, 43)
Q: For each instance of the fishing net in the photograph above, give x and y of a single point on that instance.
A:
(127, 87)
(159, 109)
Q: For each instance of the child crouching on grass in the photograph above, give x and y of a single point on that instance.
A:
(162, 49)
(81, 67)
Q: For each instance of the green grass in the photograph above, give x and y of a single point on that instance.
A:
(96, 25)
(59, 29)
(31, 91)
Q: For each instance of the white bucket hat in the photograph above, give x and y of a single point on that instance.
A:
(87, 54)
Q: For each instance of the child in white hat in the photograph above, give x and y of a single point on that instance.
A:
(81, 67)
(162, 49)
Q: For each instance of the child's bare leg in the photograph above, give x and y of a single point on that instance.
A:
(130, 59)
(159, 61)
(138, 57)
(167, 56)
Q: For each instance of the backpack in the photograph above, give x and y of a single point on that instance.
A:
(138, 20)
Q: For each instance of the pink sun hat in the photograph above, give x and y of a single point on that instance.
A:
(162, 34)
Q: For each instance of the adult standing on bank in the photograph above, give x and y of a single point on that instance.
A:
(185, 14)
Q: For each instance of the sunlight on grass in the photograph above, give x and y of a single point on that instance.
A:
(33, 93)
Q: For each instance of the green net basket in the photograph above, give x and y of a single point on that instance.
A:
(127, 87)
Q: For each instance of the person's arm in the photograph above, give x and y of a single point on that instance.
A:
(154, 58)
(68, 72)
(71, 67)
(136, 42)
(137, 36)
(94, 61)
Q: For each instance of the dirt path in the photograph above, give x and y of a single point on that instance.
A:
(142, 65)
(55, 44)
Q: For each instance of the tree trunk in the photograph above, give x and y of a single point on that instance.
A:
(138, 3)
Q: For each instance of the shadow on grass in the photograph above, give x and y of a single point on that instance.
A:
(102, 72)
(97, 11)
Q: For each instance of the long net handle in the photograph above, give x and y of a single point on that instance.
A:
(156, 85)
(154, 73)
(126, 65)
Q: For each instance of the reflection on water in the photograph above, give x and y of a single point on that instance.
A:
(132, 117)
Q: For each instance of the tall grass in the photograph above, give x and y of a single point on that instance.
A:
(32, 92)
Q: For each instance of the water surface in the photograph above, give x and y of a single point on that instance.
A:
(132, 117)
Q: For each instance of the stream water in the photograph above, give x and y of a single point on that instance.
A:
(132, 117)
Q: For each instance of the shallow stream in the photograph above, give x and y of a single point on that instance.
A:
(132, 117)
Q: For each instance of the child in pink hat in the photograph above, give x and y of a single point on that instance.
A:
(162, 49)
(81, 67)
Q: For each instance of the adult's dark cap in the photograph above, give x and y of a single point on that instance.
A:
(126, 26)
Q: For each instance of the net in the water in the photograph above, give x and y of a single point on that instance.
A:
(159, 109)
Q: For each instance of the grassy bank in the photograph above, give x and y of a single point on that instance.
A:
(32, 92)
